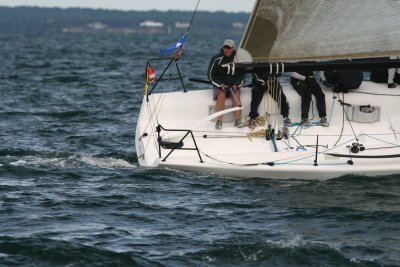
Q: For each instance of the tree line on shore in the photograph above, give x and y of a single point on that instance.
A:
(36, 19)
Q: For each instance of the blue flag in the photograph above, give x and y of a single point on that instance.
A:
(175, 46)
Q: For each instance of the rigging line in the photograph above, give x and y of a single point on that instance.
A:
(230, 163)
(246, 134)
(308, 155)
(155, 105)
(153, 130)
(213, 132)
(341, 131)
(273, 105)
(297, 128)
(333, 105)
(221, 136)
(395, 145)
(150, 120)
(280, 94)
(312, 153)
(271, 101)
(265, 163)
(287, 143)
(383, 147)
(347, 118)
(365, 156)
(153, 120)
(331, 135)
(268, 100)
(158, 106)
(194, 13)
(300, 145)
(308, 164)
(379, 134)
(367, 93)
(276, 99)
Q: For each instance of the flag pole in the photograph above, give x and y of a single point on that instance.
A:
(178, 53)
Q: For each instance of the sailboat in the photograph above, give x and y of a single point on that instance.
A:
(288, 36)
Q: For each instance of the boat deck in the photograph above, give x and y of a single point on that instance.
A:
(246, 152)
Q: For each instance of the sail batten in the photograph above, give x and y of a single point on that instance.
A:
(290, 30)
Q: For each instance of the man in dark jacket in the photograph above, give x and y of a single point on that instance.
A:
(223, 82)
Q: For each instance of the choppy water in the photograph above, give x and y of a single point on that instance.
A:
(72, 193)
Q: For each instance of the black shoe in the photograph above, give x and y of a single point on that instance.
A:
(391, 85)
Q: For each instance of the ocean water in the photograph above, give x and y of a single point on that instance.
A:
(72, 193)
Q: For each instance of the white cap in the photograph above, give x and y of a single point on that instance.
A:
(229, 43)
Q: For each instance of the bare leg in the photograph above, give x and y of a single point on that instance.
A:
(220, 103)
(234, 104)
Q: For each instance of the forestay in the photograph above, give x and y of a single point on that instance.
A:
(288, 30)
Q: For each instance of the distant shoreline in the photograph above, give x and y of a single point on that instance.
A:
(77, 20)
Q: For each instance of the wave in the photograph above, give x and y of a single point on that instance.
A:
(32, 158)
(292, 252)
(66, 79)
(39, 251)
(33, 66)
(52, 114)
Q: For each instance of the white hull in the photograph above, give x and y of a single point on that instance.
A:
(230, 152)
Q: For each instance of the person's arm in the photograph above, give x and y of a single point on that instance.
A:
(258, 80)
(213, 71)
(297, 76)
(322, 77)
(239, 80)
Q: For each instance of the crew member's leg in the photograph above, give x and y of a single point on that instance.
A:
(305, 94)
(321, 106)
(257, 94)
(320, 97)
(220, 96)
(391, 74)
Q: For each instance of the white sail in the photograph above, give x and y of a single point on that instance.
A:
(287, 30)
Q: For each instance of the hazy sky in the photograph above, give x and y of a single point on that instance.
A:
(210, 5)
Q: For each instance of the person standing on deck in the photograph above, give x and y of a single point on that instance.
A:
(223, 82)
(392, 73)
(260, 86)
(305, 85)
